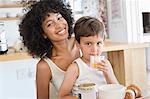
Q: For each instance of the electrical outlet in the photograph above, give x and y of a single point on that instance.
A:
(25, 73)
(31, 72)
(22, 73)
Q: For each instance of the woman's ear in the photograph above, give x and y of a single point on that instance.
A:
(44, 36)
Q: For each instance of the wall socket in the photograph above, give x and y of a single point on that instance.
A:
(25, 73)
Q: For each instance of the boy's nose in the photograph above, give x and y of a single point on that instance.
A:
(94, 50)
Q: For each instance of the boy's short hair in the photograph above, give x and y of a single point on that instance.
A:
(88, 26)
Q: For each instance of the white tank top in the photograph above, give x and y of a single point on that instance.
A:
(87, 75)
(57, 78)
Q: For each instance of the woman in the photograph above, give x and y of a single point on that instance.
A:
(45, 30)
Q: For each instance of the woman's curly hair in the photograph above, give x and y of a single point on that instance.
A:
(31, 29)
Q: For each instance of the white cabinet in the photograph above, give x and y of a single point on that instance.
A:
(17, 79)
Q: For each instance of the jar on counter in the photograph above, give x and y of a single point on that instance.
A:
(87, 91)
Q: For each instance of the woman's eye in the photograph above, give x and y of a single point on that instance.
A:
(48, 25)
(59, 17)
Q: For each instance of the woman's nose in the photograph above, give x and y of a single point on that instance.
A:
(57, 24)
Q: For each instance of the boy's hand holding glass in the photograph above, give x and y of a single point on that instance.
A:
(100, 63)
(95, 61)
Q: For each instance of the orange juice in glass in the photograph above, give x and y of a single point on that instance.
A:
(95, 59)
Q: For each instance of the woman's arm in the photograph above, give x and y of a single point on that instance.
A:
(75, 50)
(43, 76)
(68, 82)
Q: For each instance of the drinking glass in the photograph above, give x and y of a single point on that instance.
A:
(95, 59)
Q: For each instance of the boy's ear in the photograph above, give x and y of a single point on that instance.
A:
(78, 46)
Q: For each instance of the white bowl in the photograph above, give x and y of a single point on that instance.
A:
(111, 91)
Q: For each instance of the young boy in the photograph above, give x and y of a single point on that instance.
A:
(90, 35)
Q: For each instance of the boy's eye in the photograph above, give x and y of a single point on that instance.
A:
(100, 43)
(89, 44)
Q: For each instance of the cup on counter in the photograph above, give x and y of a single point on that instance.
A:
(95, 59)
(111, 91)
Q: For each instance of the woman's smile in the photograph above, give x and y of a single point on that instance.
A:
(62, 31)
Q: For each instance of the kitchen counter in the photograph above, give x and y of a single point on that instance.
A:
(128, 61)
(114, 46)
(15, 56)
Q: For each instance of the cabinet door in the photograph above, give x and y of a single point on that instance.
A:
(17, 79)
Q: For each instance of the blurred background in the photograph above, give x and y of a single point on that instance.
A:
(126, 21)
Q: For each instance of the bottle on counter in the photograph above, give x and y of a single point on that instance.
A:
(3, 41)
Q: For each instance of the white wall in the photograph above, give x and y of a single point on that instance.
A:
(117, 21)
(17, 79)
(122, 20)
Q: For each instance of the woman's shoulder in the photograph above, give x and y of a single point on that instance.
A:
(42, 66)
(42, 63)
(43, 73)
